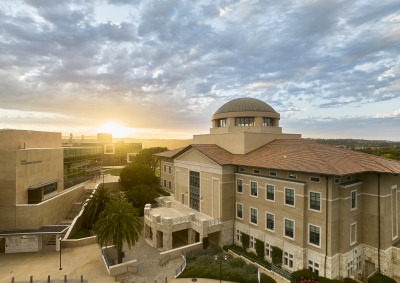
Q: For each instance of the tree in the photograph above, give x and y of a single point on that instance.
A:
(137, 174)
(118, 223)
(141, 195)
(147, 158)
(97, 203)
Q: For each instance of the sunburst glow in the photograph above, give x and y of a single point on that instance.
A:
(115, 129)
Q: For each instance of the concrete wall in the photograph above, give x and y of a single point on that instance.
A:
(23, 243)
(73, 243)
(19, 139)
(34, 216)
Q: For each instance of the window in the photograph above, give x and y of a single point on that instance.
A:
(253, 215)
(241, 169)
(350, 269)
(348, 178)
(169, 185)
(239, 210)
(272, 173)
(239, 186)
(359, 262)
(221, 123)
(165, 183)
(252, 242)
(288, 259)
(289, 196)
(169, 170)
(244, 121)
(315, 201)
(254, 189)
(268, 250)
(238, 236)
(270, 221)
(353, 200)
(314, 267)
(314, 235)
(267, 122)
(314, 179)
(256, 171)
(289, 228)
(270, 193)
(165, 168)
(194, 190)
(48, 189)
(337, 180)
(394, 210)
(353, 233)
(109, 149)
(292, 176)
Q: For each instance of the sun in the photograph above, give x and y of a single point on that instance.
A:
(115, 129)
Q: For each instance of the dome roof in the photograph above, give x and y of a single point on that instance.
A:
(245, 104)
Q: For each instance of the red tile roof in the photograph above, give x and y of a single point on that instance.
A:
(298, 155)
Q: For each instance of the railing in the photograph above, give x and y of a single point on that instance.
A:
(281, 272)
(182, 219)
(196, 221)
(213, 222)
(155, 205)
(181, 268)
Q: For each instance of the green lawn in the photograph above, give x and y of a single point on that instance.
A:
(81, 233)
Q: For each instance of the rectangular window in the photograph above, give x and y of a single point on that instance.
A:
(165, 183)
(353, 233)
(314, 235)
(270, 193)
(353, 200)
(239, 210)
(314, 267)
(238, 236)
(315, 201)
(239, 186)
(244, 121)
(169, 185)
(165, 168)
(221, 123)
(292, 176)
(254, 189)
(350, 269)
(169, 170)
(268, 250)
(337, 181)
(267, 122)
(272, 173)
(314, 179)
(241, 169)
(359, 262)
(252, 242)
(270, 221)
(288, 260)
(253, 215)
(256, 171)
(194, 190)
(289, 228)
(289, 196)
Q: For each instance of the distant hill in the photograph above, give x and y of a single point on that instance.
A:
(147, 143)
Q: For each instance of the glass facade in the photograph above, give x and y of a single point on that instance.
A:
(194, 190)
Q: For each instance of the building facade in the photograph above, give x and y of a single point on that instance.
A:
(331, 210)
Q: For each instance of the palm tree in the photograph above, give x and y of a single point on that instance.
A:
(118, 223)
(96, 204)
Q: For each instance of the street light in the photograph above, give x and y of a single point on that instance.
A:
(60, 252)
(217, 258)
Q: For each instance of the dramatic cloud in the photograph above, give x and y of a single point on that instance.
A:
(330, 67)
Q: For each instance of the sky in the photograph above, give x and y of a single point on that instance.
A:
(160, 69)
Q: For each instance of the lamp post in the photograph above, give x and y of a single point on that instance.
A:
(60, 252)
(217, 258)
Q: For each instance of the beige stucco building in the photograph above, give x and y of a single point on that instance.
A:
(32, 196)
(329, 209)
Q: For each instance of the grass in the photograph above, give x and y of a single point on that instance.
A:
(114, 171)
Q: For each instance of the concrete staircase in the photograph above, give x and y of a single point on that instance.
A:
(76, 207)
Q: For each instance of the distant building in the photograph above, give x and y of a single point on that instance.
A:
(331, 210)
(84, 158)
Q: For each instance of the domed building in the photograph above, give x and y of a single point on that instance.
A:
(326, 209)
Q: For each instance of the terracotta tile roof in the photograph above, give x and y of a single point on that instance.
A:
(297, 155)
(169, 153)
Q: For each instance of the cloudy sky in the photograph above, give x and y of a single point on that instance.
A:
(162, 68)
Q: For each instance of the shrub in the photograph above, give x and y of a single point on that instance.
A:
(277, 256)
(260, 250)
(236, 262)
(204, 260)
(303, 273)
(214, 249)
(264, 278)
(380, 278)
(162, 192)
(245, 241)
(349, 280)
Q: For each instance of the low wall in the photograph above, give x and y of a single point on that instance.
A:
(48, 212)
(175, 253)
(396, 261)
(118, 269)
(73, 243)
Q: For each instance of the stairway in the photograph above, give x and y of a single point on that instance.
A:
(76, 207)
